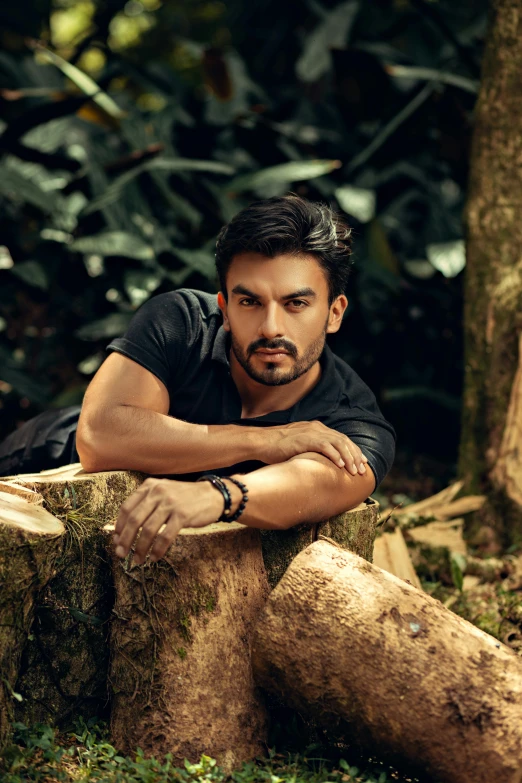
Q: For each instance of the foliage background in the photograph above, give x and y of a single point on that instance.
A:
(131, 131)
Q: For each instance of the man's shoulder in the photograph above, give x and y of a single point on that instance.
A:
(195, 304)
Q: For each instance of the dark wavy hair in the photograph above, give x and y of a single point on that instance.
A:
(288, 224)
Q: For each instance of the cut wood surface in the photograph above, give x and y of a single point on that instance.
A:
(22, 492)
(382, 664)
(30, 542)
(180, 643)
(354, 530)
(391, 553)
(64, 667)
(424, 507)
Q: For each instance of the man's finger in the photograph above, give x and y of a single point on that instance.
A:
(133, 521)
(128, 506)
(165, 539)
(149, 532)
(332, 453)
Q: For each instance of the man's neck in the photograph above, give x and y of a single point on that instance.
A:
(258, 399)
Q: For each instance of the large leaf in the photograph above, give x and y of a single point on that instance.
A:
(112, 325)
(17, 187)
(358, 202)
(32, 273)
(331, 33)
(202, 261)
(140, 283)
(284, 174)
(11, 372)
(171, 165)
(447, 257)
(84, 82)
(114, 243)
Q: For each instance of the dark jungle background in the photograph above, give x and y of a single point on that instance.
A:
(131, 131)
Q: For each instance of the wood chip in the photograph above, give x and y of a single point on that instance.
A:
(440, 534)
(391, 554)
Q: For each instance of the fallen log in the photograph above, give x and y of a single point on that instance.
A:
(354, 530)
(63, 672)
(30, 542)
(379, 663)
(180, 649)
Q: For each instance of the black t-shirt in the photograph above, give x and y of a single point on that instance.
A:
(179, 338)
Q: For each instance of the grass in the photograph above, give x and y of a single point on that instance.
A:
(43, 755)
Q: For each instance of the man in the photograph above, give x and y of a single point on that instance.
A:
(242, 387)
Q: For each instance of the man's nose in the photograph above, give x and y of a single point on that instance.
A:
(271, 325)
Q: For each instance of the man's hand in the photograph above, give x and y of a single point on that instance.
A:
(290, 440)
(158, 510)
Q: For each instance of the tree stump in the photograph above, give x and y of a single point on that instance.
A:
(377, 662)
(64, 667)
(354, 530)
(30, 542)
(180, 643)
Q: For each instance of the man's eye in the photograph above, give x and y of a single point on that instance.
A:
(248, 302)
(298, 303)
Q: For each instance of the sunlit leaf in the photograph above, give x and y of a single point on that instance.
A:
(420, 268)
(6, 261)
(171, 165)
(284, 173)
(202, 261)
(32, 273)
(139, 284)
(359, 202)
(84, 82)
(114, 243)
(332, 33)
(448, 257)
(112, 325)
(17, 187)
(458, 566)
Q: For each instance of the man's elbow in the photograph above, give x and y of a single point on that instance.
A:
(89, 445)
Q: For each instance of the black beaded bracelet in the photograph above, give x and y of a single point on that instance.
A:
(220, 485)
(244, 499)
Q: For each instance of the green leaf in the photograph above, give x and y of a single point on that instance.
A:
(458, 566)
(358, 202)
(202, 261)
(170, 165)
(32, 273)
(84, 82)
(114, 243)
(89, 619)
(447, 257)
(139, 284)
(284, 174)
(112, 325)
(331, 33)
(17, 187)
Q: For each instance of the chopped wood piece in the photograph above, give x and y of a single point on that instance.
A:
(180, 641)
(440, 534)
(391, 553)
(424, 507)
(30, 541)
(380, 664)
(461, 506)
(22, 492)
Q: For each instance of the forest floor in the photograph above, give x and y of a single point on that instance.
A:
(490, 597)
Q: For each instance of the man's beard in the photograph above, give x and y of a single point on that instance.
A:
(273, 374)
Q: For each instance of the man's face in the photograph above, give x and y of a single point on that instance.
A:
(278, 315)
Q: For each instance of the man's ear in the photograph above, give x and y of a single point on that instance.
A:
(335, 316)
(222, 304)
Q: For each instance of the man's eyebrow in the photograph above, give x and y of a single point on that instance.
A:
(241, 290)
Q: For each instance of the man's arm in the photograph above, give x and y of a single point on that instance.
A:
(124, 426)
(307, 488)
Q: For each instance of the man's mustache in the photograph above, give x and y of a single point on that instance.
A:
(273, 345)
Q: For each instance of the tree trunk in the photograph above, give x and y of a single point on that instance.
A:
(490, 460)
(354, 530)
(64, 667)
(180, 672)
(30, 542)
(378, 662)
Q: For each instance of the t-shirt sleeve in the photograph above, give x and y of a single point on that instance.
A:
(374, 436)
(159, 337)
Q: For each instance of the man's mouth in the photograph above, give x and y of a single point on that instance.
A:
(272, 351)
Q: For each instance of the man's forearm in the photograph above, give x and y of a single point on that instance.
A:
(130, 438)
(308, 488)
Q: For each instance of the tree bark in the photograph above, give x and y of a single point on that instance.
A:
(30, 542)
(490, 460)
(64, 667)
(377, 662)
(180, 672)
(354, 530)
